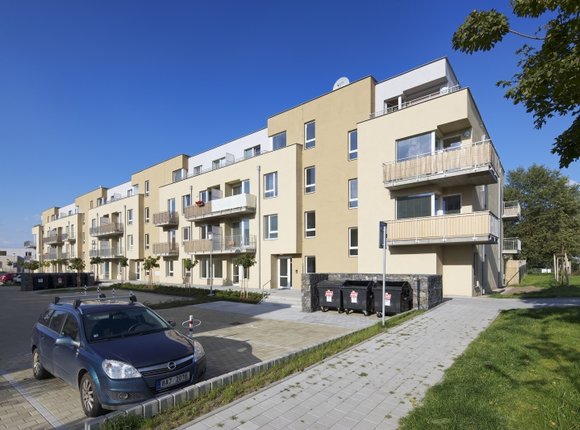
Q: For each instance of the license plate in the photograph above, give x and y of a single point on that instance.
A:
(174, 380)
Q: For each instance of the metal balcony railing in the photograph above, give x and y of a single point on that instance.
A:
(512, 210)
(232, 205)
(166, 248)
(475, 163)
(107, 252)
(166, 218)
(221, 245)
(50, 256)
(442, 92)
(475, 227)
(110, 229)
(512, 245)
(53, 238)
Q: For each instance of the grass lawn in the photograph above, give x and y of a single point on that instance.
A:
(549, 286)
(523, 372)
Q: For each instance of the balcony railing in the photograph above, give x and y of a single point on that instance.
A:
(166, 248)
(232, 205)
(512, 245)
(167, 218)
(475, 163)
(476, 227)
(107, 252)
(111, 229)
(29, 244)
(442, 92)
(53, 238)
(221, 245)
(50, 256)
(511, 210)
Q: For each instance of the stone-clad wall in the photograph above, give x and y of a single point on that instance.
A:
(427, 289)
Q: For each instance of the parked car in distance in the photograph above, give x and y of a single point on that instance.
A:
(6, 278)
(18, 278)
(115, 351)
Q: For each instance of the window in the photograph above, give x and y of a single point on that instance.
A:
(451, 142)
(147, 214)
(169, 267)
(146, 188)
(220, 162)
(129, 216)
(270, 184)
(271, 226)
(310, 223)
(251, 152)
(129, 242)
(171, 205)
(415, 146)
(185, 201)
(309, 135)
(452, 204)
(203, 196)
(70, 328)
(185, 233)
(197, 170)
(353, 193)
(414, 206)
(353, 145)
(279, 141)
(310, 179)
(310, 264)
(353, 242)
(146, 240)
(205, 268)
(177, 175)
(57, 320)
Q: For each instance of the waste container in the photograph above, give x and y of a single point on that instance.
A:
(61, 280)
(398, 297)
(41, 281)
(357, 296)
(329, 295)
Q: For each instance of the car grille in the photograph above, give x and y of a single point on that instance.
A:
(160, 370)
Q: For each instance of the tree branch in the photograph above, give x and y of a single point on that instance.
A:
(526, 35)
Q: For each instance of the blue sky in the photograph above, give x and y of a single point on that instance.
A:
(92, 91)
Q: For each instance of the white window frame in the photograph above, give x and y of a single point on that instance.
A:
(147, 214)
(169, 268)
(146, 240)
(309, 143)
(352, 201)
(282, 133)
(186, 234)
(147, 188)
(309, 188)
(352, 154)
(352, 249)
(177, 175)
(270, 193)
(252, 152)
(129, 216)
(218, 163)
(129, 242)
(197, 170)
(309, 232)
(306, 259)
(269, 233)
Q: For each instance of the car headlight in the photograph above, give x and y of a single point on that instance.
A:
(119, 370)
(198, 352)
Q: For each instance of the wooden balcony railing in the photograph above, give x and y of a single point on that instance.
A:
(475, 227)
(53, 238)
(512, 210)
(167, 218)
(166, 248)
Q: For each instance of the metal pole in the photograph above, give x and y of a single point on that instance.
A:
(384, 272)
(211, 265)
(258, 243)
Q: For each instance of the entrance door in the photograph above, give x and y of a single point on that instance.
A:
(237, 274)
(284, 272)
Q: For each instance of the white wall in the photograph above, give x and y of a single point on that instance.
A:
(64, 211)
(119, 191)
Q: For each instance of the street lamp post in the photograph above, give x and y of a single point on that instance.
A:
(210, 236)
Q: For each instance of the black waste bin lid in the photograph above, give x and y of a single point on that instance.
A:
(329, 284)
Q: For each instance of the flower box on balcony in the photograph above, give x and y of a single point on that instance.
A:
(200, 203)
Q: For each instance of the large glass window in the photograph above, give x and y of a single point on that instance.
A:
(415, 146)
(452, 204)
(177, 175)
(353, 145)
(414, 206)
(185, 201)
(310, 264)
(353, 193)
(353, 242)
(271, 184)
(271, 226)
(310, 179)
(251, 152)
(310, 135)
(279, 141)
(310, 223)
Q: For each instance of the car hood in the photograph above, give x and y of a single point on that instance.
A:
(145, 350)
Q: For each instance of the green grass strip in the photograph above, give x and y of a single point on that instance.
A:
(523, 372)
(218, 398)
(549, 288)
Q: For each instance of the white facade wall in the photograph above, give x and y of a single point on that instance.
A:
(120, 191)
(68, 210)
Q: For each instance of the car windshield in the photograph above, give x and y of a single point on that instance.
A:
(118, 323)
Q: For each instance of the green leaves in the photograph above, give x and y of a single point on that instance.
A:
(480, 31)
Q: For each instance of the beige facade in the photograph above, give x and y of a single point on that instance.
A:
(307, 194)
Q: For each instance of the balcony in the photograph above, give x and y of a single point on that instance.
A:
(239, 204)
(104, 230)
(442, 92)
(107, 252)
(221, 245)
(50, 256)
(166, 249)
(476, 228)
(70, 237)
(166, 219)
(512, 245)
(53, 239)
(511, 210)
(475, 163)
(30, 244)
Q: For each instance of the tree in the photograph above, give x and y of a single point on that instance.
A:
(123, 262)
(31, 265)
(550, 221)
(548, 83)
(96, 261)
(45, 264)
(246, 261)
(149, 264)
(188, 264)
(77, 264)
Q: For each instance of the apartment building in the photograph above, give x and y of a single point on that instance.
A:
(307, 194)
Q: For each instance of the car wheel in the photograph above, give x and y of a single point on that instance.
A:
(379, 314)
(89, 400)
(366, 313)
(324, 309)
(38, 370)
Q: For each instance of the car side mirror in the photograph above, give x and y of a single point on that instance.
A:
(67, 341)
(171, 323)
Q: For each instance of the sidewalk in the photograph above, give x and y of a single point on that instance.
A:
(374, 384)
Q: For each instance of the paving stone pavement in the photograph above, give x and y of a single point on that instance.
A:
(374, 384)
